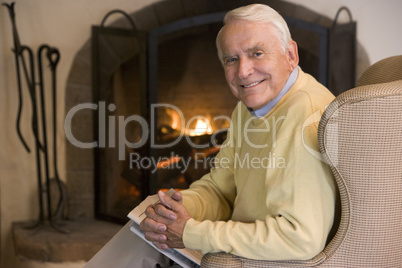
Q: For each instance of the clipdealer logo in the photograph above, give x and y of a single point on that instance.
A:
(116, 126)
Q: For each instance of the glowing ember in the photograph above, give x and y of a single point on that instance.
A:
(165, 163)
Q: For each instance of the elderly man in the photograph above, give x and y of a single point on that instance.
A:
(280, 211)
(270, 213)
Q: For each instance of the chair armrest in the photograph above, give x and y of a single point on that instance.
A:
(226, 260)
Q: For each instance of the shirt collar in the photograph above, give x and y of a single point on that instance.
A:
(268, 107)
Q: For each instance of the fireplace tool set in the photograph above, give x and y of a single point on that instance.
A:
(50, 190)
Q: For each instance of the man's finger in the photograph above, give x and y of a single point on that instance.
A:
(161, 245)
(159, 213)
(163, 211)
(168, 202)
(151, 225)
(177, 196)
(155, 237)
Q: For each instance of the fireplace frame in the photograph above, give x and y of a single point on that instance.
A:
(145, 44)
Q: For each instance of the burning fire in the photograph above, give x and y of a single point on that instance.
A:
(202, 123)
(202, 127)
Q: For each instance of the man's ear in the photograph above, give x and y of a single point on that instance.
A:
(293, 54)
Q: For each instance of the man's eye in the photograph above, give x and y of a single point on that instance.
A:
(230, 60)
(257, 54)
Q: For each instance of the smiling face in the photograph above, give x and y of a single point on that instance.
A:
(255, 66)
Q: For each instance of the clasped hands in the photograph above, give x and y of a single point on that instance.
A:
(165, 221)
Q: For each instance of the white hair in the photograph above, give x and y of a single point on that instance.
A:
(259, 13)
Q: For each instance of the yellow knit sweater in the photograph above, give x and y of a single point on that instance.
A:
(269, 196)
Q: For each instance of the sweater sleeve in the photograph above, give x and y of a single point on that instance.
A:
(300, 206)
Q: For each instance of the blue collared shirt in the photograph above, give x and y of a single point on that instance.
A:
(268, 107)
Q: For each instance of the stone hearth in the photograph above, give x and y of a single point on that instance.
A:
(84, 240)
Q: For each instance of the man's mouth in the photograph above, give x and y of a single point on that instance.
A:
(253, 84)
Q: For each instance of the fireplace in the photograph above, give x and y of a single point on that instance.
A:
(157, 135)
(156, 77)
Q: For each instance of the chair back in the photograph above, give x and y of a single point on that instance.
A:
(360, 136)
(383, 71)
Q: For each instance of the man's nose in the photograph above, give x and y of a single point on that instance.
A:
(245, 68)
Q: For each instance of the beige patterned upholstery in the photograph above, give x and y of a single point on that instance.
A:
(360, 136)
(386, 70)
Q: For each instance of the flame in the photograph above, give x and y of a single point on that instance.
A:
(175, 121)
(175, 117)
(202, 127)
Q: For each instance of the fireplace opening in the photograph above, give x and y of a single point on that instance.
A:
(187, 125)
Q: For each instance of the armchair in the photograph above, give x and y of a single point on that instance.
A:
(360, 137)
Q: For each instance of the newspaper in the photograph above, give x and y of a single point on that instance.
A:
(184, 257)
